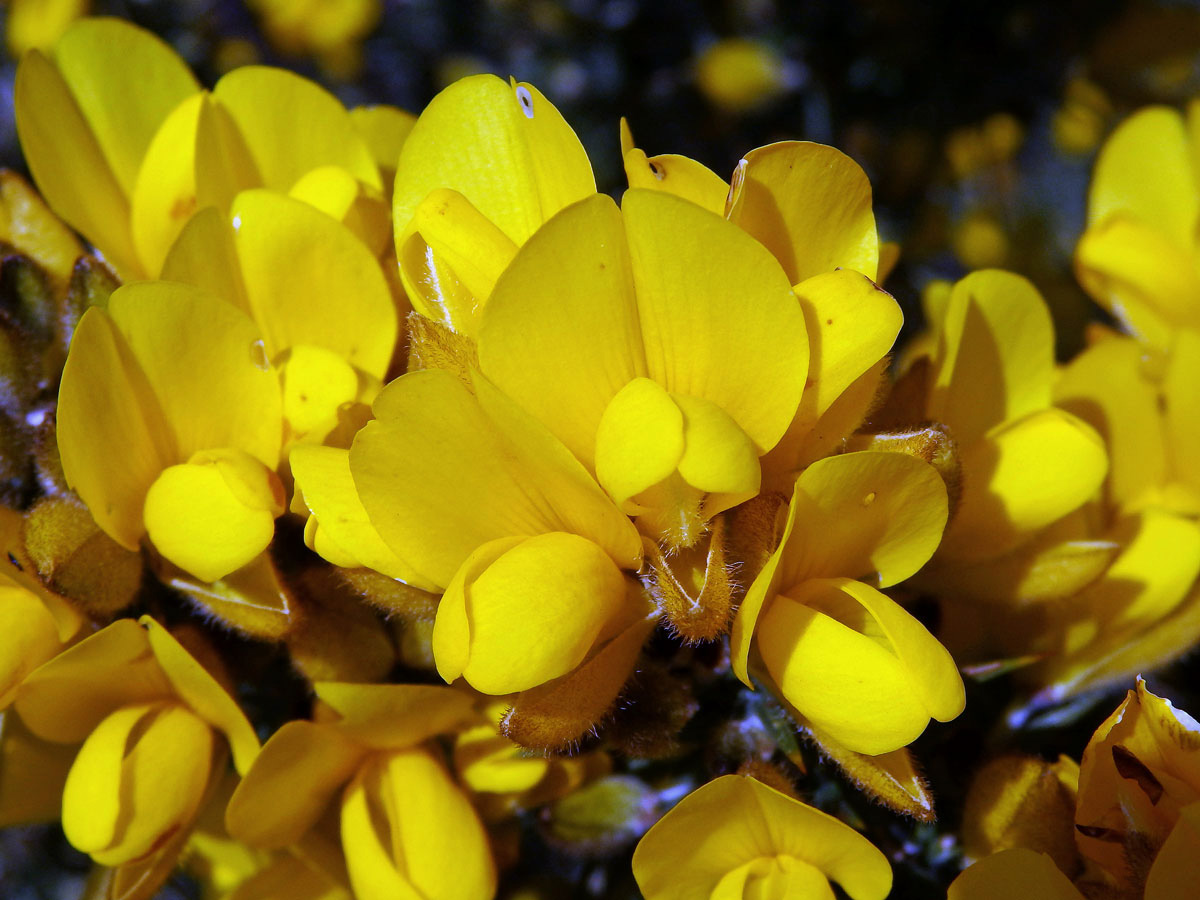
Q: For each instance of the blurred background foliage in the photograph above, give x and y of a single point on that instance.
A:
(976, 121)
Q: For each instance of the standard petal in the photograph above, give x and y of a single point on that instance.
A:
(735, 820)
(750, 358)
(107, 409)
(536, 611)
(863, 513)
(1013, 873)
(291, 125)
(1020, 478)
(504, 147)
(1105, 386)
(67, 162)
(164, 196)
(852, 324)
(204, 254)
(674, 174)
(810, 205)
(292, 781)
(176, 333)
(560, 333)
(1145, 170)
(309, 280)
(995, 355)
(323, 476)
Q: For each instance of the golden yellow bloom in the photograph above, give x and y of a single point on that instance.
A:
(614, 328)
(176, 384)
(737, 838)
(847, 657)
(407, 829)
(155, 727)
(125, 145)
(331, 31)
(486, 164)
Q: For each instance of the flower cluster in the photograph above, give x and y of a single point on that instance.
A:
(523, 483)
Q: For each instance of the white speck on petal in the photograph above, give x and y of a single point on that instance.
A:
(237, 222)
(526, 100)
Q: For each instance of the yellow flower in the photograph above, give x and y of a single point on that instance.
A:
(155, 727)
(175, 384)
(484, 503)
(848, 658)
(38, 24)
(1025, 464)
(125, 145)
(810, 206)
(1138, 254)
(737, 838)
(332, 31)
(1013, 873)
(407, 829)
(316, 294)
(1139, 780)
(615, 329)
(486, 164)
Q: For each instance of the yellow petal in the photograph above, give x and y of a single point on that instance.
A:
(293, 780)
(39, 25)
(1105, 386)
(204, 254)
(674, 174)
(810, 205)
(1176, 868)
(164, 196)
(1020, 478)
(1141, 276)
(139, 777)
(176, 331)
(323, 476)
(225, 165)
(310, 281)
(291, 125)
(863, 513)
(439, 477)
(67, 697)
(385, 129)
(639, 440)
(466, 241)
(210, 515)
(718, 457)
(67, 163)
(194, 685)
(1183, 408)
(395, 716)
(409, 832)
(31, 637)
(735, 820)
(505, 148)
(107, 63)
(533, 614)
(1013, 873)
(335, 192)
(105, 401)
(560, 333)
(1145, 170)
(996, 355)
(865, 672)
(32, 774)
(750, 361)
